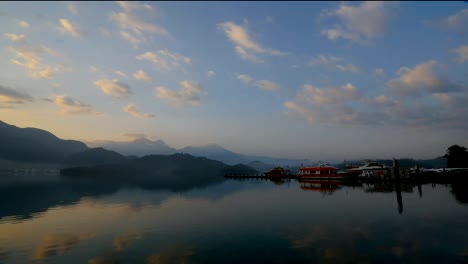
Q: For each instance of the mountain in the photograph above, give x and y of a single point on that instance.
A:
(34, 145)
(161, 170)
(214, 151)
(137, 147)
(94, 156)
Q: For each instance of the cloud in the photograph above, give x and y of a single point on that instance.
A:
(422, 78)
(53, 244)
(462, 52)
(133, 110)
(10, 97)
(379, 72)
(334, 62)
(114, 88)
(210, 74)
(93, 68)
(269, 19)
(360, 23)
(135, 135)
(141, 75)
(165, 60)
(23, 24)
(458, 21)
(188, 96)
(245, 46)
(133, 27)
(123, 241)
(67, 27)
(31, 59)
(71, 106)
(15, 37)
(135, 41)
(71, 6)
(121, 74)
(262, 84)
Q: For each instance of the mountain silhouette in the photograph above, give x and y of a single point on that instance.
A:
(94, 156)
(137, 147)
(35, 145)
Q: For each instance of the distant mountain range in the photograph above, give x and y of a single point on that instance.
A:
(36, 145)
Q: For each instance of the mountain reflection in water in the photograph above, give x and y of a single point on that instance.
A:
(86, 221)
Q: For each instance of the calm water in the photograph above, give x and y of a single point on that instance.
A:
(65, 221)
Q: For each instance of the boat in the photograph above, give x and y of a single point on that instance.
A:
(278, 172)
(371, 170)
(323, 171)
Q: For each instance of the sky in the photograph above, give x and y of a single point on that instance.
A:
(316, 80)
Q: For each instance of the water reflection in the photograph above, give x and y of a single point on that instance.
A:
(261, 221)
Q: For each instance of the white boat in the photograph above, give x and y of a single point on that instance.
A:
(372, 170)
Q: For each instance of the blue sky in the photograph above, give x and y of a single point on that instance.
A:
(318, 80)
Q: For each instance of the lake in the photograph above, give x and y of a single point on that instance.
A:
(55, 220)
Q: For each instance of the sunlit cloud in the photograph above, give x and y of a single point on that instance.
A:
(9, 97)
(262, 84)
(245, 46)
(15, 37)
(189, 95)
(165, 60)
(123, 241)
(69, 28)
(462, 53)
(361, 23)
(71, 106)
(55, 244)
(31, 59)
(133, 28)
(93, 68)
(379, 72)
(114, 88)
(141, 75)
(23, 24)
(122, 74)
(210, 74)
(132, 109)
(422, 78)
(335, 63)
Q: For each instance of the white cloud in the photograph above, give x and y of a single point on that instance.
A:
(132, 109)
(462, 52)
(334, 62)
(458, 21)
(269, 19)
(10, 97)
(93, 68)
(130, 19)
(245, 46)
(262, 84)
(31, 59)
(114, 88)
(165, 60)
(15, 37)
(422, 78)
(360, 23)
(121, 74)
(210, 74)
(189, 95)
(24, 24)
(67, 27)
(71, 106)
(135, 41)
(141, 75)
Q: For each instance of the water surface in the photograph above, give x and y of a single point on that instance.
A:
(70, 221)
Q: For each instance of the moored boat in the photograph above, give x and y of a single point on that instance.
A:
(322, 171)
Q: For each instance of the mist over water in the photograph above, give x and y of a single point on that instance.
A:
(66, 220)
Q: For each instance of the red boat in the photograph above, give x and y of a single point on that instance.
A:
(321, 172)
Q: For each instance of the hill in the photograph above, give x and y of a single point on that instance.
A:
(35, 145)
